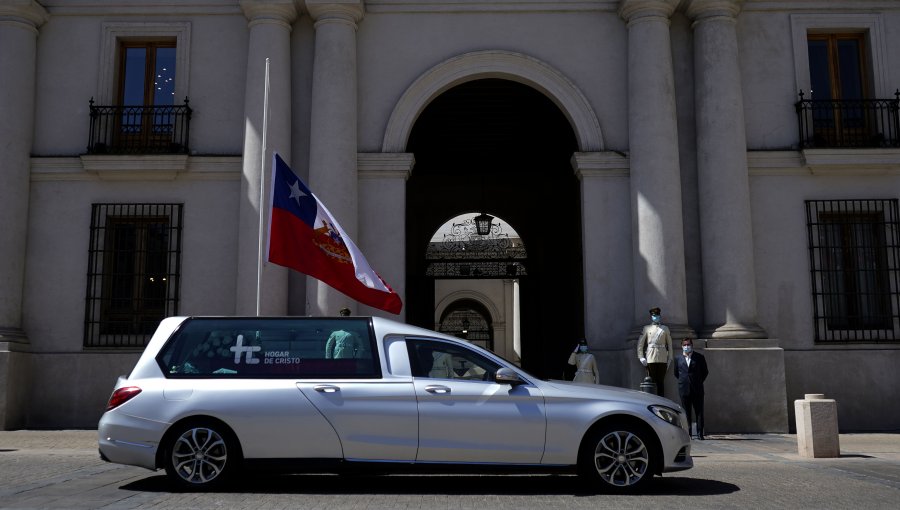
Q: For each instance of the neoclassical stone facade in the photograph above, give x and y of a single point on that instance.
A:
(682, 168)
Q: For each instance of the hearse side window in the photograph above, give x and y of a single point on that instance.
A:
(442, 360)
(306, 348)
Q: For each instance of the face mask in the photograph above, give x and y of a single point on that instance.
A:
(582, 348)
(654, 318)
(687, 349)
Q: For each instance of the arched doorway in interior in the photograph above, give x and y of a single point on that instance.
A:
(477, 262)
(503, 148)
(468, 319)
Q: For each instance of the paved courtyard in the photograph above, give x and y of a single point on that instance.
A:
(61, 469)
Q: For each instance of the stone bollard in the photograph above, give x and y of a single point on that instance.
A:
(817, 426)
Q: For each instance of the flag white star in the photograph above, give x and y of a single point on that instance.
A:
(296, 193)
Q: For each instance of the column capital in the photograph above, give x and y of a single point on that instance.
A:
(701, 9)
(23, 11)
(631, 10)
(385, 165)
(600, 164)
(348, 11)
(273, 11)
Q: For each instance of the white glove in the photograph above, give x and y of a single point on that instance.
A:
(644, 361)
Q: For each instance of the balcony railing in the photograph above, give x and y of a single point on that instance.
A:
(857, 123)
(139, 129)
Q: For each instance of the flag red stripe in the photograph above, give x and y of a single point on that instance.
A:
(291, 245)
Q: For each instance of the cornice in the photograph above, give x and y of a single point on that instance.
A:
(23, 10)
(852, 161)
(824, 162)
(158, 168)
(466, 6)
(134, 168)
(109, 8)
(818, 6)
(336, 10)
(631, 10)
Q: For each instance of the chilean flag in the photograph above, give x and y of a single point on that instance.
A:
(305, 237)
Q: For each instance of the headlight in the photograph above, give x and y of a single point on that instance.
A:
(667, 414)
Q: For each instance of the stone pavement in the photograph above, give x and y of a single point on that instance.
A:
(61, 469)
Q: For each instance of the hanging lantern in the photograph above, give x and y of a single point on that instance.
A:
(483, 224)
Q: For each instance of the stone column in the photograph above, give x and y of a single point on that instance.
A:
(608, 277)
(19, 22)
(655, 178)
(332, 141)
(729, 282)
(608, 282)
(382, 219)
(504, 333)
(270, 36)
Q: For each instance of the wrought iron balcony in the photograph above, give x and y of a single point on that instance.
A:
(858, 123)
(139, 129)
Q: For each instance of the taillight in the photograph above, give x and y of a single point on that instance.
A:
(122, 395)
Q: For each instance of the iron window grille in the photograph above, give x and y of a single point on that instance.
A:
(134, 272)
(463, 253)
(854, 250)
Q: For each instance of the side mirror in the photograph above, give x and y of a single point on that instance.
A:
(507, 376)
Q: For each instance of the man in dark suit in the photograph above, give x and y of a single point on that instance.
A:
(691, 371)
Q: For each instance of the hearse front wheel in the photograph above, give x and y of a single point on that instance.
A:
(616, 457)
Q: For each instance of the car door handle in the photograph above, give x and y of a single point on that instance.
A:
(326, 388)
(437, 388)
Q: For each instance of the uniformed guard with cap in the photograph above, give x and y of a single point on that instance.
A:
(654, 349)
(586, 365)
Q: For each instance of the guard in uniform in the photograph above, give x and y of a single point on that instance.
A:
(654, 350)
(585, 363)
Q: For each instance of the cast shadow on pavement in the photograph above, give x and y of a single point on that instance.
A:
(501, 485)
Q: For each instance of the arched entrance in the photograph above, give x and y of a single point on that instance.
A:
(469, 319)
(502, 148)
(477, 263)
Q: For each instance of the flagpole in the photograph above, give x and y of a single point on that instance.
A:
(262, 191)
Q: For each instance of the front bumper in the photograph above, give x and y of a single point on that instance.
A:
(681, 461)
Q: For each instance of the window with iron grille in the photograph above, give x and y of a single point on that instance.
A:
(134, 272)
(854, 249)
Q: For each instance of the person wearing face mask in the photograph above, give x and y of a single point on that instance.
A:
(691, 371)
(586, 365)
(654, 350)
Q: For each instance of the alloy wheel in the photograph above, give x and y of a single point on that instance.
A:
(199, 455)
(621, 459)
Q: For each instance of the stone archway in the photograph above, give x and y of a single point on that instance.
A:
(503, 148)
(505, 65)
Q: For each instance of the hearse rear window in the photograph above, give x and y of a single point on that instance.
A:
(333, 348)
